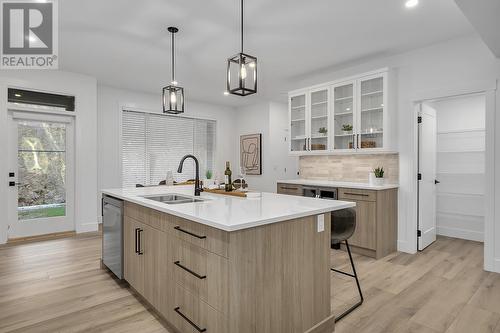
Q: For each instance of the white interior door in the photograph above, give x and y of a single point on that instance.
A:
(427, 161)
(41, 174)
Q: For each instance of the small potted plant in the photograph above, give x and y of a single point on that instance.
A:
(323, 131)
(379, 176)
(347, 128)
(208, 182)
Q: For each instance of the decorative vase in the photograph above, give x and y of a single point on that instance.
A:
(379, 181)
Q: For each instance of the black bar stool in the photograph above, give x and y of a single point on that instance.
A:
(343, 226)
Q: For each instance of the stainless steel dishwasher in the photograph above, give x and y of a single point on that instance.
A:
(112, 234)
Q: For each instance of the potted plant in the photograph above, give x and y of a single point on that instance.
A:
(322, 130)
(379, 175)
(208, 182)
(347, 128)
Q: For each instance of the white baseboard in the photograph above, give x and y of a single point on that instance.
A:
(461, 233)
(87, 227)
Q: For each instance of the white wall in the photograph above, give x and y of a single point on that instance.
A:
(271, 120)
(110, 102)
(461, 166)
(84, 88)
(455, 65)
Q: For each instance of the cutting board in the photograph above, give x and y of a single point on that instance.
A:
(233, 193)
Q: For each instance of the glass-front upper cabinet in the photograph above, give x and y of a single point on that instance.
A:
(319, 119)
(298, 128)
(371, 112)
(343, 116)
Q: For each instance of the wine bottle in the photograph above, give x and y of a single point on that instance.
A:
(227, 179)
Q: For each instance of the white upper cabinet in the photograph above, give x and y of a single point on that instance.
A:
(347, 116)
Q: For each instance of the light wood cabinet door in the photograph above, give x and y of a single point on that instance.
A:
(155, 268)
(366, 225)
(133, 260)
(289, 189)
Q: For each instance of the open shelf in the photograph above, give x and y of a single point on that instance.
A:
(302, 137)
(343, 113)
(295, 120)
(381, 108)
(319, 103)
(298, 107)
(320, 117)
(378, 92)
(342, 98)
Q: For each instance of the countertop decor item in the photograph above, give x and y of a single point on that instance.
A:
(173, 95)
(241, 77)
(323, 130)
(379, 175)
(251, 154)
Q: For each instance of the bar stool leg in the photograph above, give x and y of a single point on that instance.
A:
(355, 276)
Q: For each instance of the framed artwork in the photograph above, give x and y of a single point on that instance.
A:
(251, 154)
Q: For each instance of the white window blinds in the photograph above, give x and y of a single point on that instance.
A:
(154, 144)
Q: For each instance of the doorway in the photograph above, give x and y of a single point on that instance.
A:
(451, 169)
(41, 174)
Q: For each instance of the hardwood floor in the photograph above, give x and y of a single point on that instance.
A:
(58, 286)
(442, 289)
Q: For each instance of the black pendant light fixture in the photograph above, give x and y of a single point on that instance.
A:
(241, 71)
(173, 95)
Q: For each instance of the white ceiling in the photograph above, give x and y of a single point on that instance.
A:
(125, 43)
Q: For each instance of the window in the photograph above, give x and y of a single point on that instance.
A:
(153, 144)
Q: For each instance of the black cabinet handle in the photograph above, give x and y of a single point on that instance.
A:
(136, 240)
(139, 251)
(177, 309)
(189, 233)
(289, 188)
(178, 263)
(358, 194)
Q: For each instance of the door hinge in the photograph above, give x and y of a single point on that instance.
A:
(419, 176)
(419, 233)
(419, 119)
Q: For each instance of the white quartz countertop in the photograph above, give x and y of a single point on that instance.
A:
(333, 183)
(231, 213)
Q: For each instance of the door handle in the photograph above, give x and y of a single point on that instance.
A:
(436, 181)
(139, 252)
(136, 239)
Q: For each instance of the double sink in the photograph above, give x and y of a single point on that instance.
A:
(173, 199)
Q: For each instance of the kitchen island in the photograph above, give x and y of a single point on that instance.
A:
(230, 264)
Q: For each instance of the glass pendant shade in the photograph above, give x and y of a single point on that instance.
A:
(173, 99)
(242, 74)
(173, 95)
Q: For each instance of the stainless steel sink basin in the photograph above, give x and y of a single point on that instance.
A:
(173, 199)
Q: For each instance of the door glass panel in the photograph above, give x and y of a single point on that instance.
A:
(298, 123)
(372, 113)
(343, 116)
(319, 120)
(41, 162)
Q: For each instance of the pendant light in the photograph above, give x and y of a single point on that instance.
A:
(241, 71)
(173, 95)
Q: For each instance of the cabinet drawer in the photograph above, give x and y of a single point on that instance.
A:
(190, 314)
(203, 273)
(290, 189)
(211, 239)
(357, 194)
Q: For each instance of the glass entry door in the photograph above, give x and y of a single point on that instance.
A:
(40, 175)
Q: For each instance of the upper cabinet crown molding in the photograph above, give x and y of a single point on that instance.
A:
(347, 116)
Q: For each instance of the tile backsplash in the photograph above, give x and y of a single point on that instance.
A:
(349, 168)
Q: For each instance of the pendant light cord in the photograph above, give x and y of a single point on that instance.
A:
(241, 26)
(173, 58)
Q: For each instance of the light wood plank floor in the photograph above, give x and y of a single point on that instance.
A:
(58, 286)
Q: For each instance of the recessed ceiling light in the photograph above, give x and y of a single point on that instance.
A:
(411, 3)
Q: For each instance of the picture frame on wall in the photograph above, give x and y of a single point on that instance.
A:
(251, 154)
